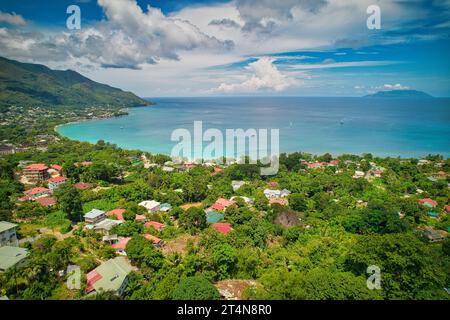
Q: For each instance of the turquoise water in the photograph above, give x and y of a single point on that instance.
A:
(383, 127)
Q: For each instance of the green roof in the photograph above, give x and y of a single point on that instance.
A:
(433, 214)
(114, 273)
(10, 256)
(4, 225)
(214, 217)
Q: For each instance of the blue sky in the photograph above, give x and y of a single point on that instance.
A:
(238, 47)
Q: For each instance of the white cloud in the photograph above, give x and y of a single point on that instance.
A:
(12, 18)
(397, 86)
(265, 76)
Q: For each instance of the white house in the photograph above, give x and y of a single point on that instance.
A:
(284, 193)
(237, 184)
(270, 193)
(54, 183)
(150, 205)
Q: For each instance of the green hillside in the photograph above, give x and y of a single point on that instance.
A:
(27, 84)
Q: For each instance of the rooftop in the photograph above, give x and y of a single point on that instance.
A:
(10, 256)
(36, 166)
(109, 276)
(94, 213)
(4, 225)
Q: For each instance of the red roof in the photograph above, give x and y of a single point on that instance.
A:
(315, 165)
(447, 208)
(217, 170)
(281, 202)
(57, 167)
(273, 184)
(429, 201)
(92, 278)
(157, 225)
(441, 173)
(47, 201)
(334, 162)
(118, 213)
(82, 185)
(57, 179)
(221, 227)
(37, 190)
(140, 217)
(122, 244)
(36, 167)
(152, 238)
(218, 206)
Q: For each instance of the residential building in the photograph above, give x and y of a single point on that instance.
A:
(150, 205)
(427, 202)
(37, 193)
(222, 204)
(12, 257)
(237, 184)
(433, 235)
(281, 202)
(111, 275)
(285, 193)
(36, 172)
(121, 245)
(155, 224)
(8, 235)
(165, 207)
(224, 228)
(46, 201)
(105, 225)
(118, 213)
(214, 217)
(155, 240)
(271, 193)
(83, 186)
(54, 183)
(94, 216)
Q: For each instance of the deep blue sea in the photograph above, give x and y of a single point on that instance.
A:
(381, 126)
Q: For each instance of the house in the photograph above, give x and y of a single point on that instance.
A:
(427, 202)
(8, 235)
(165, 207)
(358, 174)
(150, 205)
(140, 217)
(167, 169)
(156, 241)
(86, 163)
(237, 184)
(37, 193)
(375, 173)
(433, 235)
(56, 167)
(94, 216)
(6, 149)
(217, 170)
(333, 163)
(214, 217)
(155, 224)
(46, 201)
(105, 226)
(224, 228)
(121, 245)
(54, 183)
(111, 275)
(118, 213)
(36, 172)
(222, 204)
(82, 186)
(447, 208)
(271, 193)
(281, 202)
(12, 257)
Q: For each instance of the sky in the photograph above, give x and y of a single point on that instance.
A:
(161, 48)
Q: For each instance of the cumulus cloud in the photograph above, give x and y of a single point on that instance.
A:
(128, 38)
(12, 18)
(397, 86)
(265, 76)
(268, 13)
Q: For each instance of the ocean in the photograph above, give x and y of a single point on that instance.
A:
(381, 126)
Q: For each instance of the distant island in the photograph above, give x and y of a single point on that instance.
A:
(399, 94)
(35, 85)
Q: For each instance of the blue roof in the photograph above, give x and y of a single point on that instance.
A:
(214, 217)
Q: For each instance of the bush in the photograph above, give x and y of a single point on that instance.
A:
(195, 288)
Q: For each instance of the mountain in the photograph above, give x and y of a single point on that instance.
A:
(399, 94)
(28, 84)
